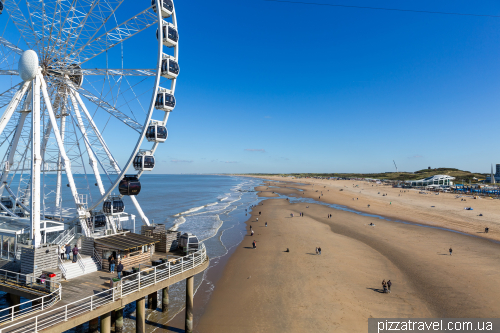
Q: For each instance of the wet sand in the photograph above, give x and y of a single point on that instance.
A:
(267, 289)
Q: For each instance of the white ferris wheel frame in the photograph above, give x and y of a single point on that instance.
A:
(35, 90)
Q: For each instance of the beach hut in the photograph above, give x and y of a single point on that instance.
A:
(132, 249)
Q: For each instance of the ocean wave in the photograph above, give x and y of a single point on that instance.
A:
(177, 223)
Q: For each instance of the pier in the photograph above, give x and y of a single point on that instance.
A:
(57, 307)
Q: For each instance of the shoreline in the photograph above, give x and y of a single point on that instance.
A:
(393, 260)
(458, 220)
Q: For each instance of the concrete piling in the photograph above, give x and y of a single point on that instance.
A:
(140, 315)
(189, 304)
(119, 320)
(106, 323)
(164, 299)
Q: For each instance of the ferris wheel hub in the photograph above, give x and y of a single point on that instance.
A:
(28, 65)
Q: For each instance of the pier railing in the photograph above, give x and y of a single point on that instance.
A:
(23, 282)
(127, 285)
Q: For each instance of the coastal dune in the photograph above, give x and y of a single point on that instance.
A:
(268, 289)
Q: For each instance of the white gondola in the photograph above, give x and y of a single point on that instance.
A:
(113, 205)
(156, 132)
(170, 34)
(167, 7)
(169, 67)
(189, 242)
(144, 161)
(77, 79)
(164, 101)
(129, 185)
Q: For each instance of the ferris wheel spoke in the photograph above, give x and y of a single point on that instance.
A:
(108, 108)
(24, 27)
(106, 72)
(11, 46)
(115, 36)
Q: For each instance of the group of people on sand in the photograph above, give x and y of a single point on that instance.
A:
(386, 286)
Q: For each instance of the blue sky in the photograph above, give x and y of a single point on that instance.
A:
(281, 87)
(277, 87)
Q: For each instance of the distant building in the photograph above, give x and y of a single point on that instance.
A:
(496, 176)
(437, 180)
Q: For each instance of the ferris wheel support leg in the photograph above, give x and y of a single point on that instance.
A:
(92, 159)
(59, 165)
(35, 164)
(13, 105)
(144, 219)
(65, 159)
(97, 133)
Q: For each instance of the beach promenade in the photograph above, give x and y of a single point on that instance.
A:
(267, 289)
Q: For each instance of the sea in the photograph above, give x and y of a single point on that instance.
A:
(212, 207)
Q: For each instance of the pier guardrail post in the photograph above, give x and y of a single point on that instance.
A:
(42, 302)
(193, 259)
(91, 297)
(169, 269)
(182, 264)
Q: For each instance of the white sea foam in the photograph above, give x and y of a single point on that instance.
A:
(177, 223)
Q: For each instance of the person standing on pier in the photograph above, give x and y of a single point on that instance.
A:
(75, 253)
(68, 251)
(62, 251)
(119, 269)
(112, 266)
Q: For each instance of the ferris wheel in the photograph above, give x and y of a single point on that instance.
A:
(74, 93)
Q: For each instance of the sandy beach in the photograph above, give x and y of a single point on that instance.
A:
(267, 289)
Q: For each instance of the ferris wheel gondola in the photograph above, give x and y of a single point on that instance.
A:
(73, 97)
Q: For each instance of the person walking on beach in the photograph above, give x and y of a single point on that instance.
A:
(266, 224)
(251, 233)
(254, 244)
(260, 213)
(319, 250)
(451, 250)
(389, 284)
(384, 286)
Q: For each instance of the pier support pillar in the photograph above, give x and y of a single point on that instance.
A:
(106, 323)
(14, 300)
(94, 325)
(189, 304)
(113, 318)
(164, 299)
(140, 315)
(153, 300)
(119, 320)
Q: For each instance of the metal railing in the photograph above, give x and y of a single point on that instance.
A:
(97, 258)
(65, 236)
(80, 262)
(128, 285)
(61, 267)
(29, 282)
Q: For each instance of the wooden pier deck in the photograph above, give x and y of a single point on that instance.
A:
(91, 295)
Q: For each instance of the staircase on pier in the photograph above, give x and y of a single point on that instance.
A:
(84, 265)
